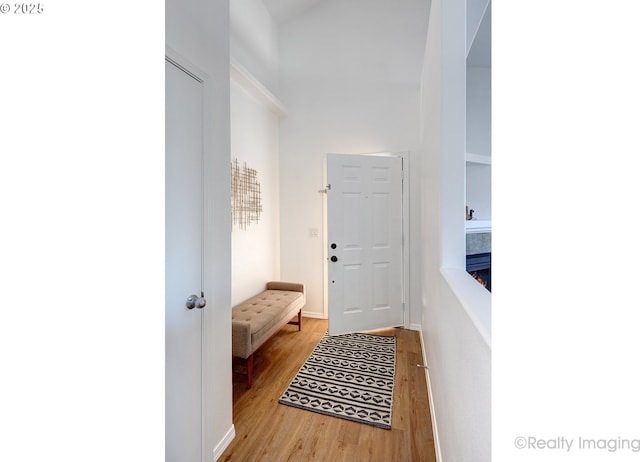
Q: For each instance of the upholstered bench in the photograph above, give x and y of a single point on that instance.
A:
(256, 320)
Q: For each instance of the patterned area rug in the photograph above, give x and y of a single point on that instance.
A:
(348, 376)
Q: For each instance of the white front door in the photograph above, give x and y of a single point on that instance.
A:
(364, 233)
(183, 264)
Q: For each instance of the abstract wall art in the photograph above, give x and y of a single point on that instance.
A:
(246, 201)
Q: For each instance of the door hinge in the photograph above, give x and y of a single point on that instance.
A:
(326, 189)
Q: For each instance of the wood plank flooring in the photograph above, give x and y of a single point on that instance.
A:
(268, 431)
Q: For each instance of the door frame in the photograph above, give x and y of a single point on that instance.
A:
(208, 345)
(406, 279)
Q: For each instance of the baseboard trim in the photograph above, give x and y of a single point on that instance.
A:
(434, 423)
(224, 443)
(311, 314)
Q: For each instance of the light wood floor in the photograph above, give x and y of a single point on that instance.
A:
(269, 431)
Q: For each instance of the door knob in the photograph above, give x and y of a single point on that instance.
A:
(333, 246)
(193, 301)
(334, 259)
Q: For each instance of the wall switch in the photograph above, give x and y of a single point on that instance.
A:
(313, 232)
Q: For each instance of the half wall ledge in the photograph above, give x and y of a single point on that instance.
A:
(475, 299)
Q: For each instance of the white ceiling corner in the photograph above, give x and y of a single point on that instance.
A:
(480, 52)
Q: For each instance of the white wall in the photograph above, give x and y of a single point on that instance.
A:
(479, 140)
(199, 31)
(254, 140)
(479, 190)
(350, 79)
(254, 41)
(455, 309)
(479, 110)
(256, 249)
(478, 131)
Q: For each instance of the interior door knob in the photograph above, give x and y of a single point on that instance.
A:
(334, 259)
(193, 301)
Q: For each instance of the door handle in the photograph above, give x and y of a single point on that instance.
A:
(334, 259)
(193, 301)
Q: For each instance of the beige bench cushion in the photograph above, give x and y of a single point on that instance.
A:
(256, 319)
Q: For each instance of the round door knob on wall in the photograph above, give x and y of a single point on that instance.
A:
(334, 259)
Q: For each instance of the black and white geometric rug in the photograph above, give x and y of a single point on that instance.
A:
(348, 376)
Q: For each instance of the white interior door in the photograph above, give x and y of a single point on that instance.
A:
(364, 233)
(183, 264)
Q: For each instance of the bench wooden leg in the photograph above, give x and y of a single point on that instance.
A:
(250, 371)
(299, 321)
(249, 360)
(249, 374)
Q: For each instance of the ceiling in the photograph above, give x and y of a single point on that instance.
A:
(479, 55)
(283, 10)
